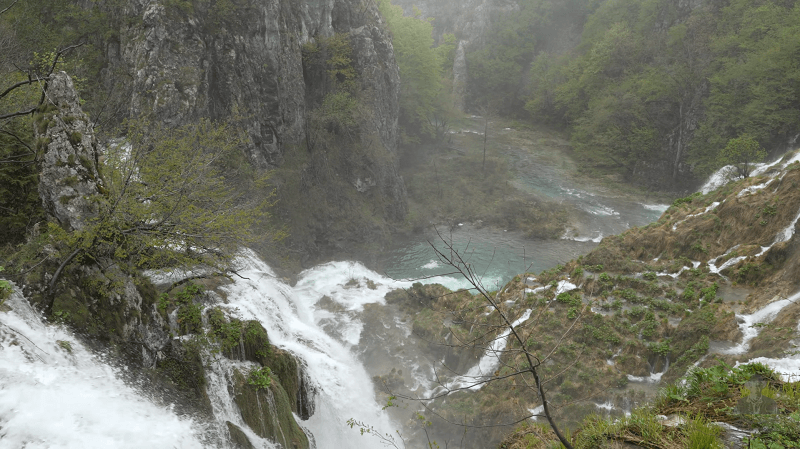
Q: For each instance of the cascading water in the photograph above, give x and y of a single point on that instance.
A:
(54, 393)
(343, 387)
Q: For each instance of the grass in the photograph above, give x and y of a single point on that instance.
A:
(704, 397)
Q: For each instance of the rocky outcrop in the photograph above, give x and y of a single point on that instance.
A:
(199, 61)
(267, 412)
(69, 182)
(244, 62)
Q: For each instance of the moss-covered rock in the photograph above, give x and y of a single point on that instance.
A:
(183, 366)
(238, 437)
(267, 412)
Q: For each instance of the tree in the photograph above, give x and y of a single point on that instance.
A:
(21, 95)
(526, 371)
(420, 66)
(743, 152)
(170, 197)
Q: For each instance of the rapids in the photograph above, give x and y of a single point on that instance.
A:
(55, 393)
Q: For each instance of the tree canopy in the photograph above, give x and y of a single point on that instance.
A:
(422, 65)
(743, 152)
(648, 82)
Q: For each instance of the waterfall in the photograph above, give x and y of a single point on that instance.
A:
(343, 387)
(55, 393)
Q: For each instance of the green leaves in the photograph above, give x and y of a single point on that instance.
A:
(5, 287)
(742, 152)
(169, 199)
(420, 66)
(261, 378)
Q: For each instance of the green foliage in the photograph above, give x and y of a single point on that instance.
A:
(261, 378)
(701, 434)
(687, 200)
(189, 313)
(662, 348)
(424, 90)
(334, 55)
(742, 152)
(635, 82)
(509, 47)
(19, 195)
(5, 288)
(709, 293)
(569, 299)
(171, 200)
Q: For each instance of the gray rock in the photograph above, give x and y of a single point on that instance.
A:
(69, 179)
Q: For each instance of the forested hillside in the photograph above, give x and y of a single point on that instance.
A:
(654, 89)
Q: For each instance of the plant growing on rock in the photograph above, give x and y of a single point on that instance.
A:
(166, 200)
(743, 152)
(261, 378)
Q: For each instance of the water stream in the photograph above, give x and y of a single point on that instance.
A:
(547, 173)
(55, 393)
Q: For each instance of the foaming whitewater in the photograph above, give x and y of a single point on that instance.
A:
(475, 378)
(343, 387)
(747, 323)
(54, 393)
(725, 174)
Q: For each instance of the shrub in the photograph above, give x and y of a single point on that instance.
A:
(261, 378)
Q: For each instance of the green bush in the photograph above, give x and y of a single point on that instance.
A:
(261, 378)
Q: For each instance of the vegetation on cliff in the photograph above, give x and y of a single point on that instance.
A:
(653, 85)
(669, 300)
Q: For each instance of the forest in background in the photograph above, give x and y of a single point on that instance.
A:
(651, 85)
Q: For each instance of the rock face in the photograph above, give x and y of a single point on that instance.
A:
(199, 62)
(244, 62)
(69, 181)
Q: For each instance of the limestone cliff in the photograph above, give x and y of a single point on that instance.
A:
(69, 179)
(182, 61)
(105, 298)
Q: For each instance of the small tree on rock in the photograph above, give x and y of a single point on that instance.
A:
(742, 152)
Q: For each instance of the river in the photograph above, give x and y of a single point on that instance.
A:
(546, 172)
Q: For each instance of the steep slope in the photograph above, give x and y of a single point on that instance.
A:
(714, 280)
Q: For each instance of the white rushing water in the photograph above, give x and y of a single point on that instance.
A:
(489, 362)
(748, 324)
(725, 174)
(52, 397)
(343, 387)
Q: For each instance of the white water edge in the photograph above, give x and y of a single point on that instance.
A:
(475, 378)
(748, 323)
(342, 385)
(51, 397)
(725, 174)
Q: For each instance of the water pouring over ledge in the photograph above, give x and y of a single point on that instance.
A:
(55, 393)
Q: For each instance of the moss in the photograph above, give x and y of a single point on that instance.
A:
(238, 437)
(184, 367)
(86, 163)
(189, 321)
(75, 137)
(284, 366)
(268, 412)
(42, 143)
